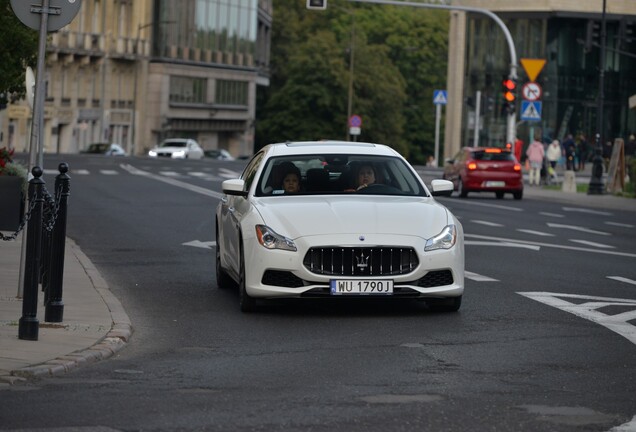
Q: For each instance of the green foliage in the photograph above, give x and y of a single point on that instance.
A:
(399, 59)
(18, 49)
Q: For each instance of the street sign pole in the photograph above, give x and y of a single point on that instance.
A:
(438, 115)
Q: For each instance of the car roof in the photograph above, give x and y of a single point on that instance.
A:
(328, 146)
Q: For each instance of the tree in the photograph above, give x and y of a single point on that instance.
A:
(18, 49)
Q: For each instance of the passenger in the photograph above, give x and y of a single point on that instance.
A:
(291, 180)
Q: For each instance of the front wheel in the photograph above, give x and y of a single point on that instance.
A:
(246, 303)
(223, 280)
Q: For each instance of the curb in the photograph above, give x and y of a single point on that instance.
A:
(115, 340)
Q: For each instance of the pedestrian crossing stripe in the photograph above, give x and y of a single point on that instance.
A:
(530, 110)
(589, 307)
(439, 97)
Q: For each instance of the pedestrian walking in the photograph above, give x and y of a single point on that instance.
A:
(535, 154)
(553, 155)
(570, 152)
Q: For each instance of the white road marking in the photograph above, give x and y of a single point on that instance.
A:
(226, 173)
(577, 228)
(198, 174)
(593, 244)
(622, 279)
(550, 245)
(584, 210)
(80, 172)
(618, 224)
(170, 173)
(551, 214)
(200, 244)
(203, 191)
(539, 233)
(618, 323)
(478, 278)
(482, 222)
(481, 204)
(625, 427)
(108, 172)
(502, 244)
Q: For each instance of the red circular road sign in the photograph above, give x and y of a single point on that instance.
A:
(531, 91)
(355, 121)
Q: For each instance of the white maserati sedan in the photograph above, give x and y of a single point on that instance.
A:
(331, 218)
(177, 148)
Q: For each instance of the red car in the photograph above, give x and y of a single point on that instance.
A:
(485, 169)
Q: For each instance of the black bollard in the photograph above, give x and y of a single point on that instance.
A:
(54, 311)
(28, 325)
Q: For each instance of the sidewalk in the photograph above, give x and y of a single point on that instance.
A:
(95, 324)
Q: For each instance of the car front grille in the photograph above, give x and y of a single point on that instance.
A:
(164, 154)
(360, 261)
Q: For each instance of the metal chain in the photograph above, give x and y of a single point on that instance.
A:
(53, 204)
(22, 224)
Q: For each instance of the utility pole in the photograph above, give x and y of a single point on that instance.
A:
(596, 186)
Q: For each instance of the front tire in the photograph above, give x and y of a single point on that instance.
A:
(246, 303)
(223, 280)
(499, 195)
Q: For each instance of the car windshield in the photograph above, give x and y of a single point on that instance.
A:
(337, 174)
(173, 144)
(492, 155)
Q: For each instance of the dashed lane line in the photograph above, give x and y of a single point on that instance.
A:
(577, 228)
(108, 172)
(500, 244)
(549, 245)
(539, 233)
(593, 244)
(478, 278)
(557, 215)
(622, 279)
(585, 210)
(487, 223)
(618, 224)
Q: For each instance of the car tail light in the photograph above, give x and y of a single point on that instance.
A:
(517, 167)
(471, 165)
(493, 150)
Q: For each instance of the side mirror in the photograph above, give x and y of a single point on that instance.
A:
(234, 187)
(442, 188)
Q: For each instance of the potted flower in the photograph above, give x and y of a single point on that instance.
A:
(13, 188)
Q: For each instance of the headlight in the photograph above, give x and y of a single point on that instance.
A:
(178, 154)
(152, 153)
(269, 239)
(444, 240)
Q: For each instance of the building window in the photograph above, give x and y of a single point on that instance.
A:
(187, 89)
(231, 92)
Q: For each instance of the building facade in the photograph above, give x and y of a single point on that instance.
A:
(138, 71)
(566, 35)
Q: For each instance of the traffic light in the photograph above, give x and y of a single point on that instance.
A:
(592, 34)
(509, 94)
(317, 4)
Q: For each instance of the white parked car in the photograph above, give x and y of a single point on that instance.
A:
(362, 223)
(178, 148)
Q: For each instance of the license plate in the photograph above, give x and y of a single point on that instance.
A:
(361, 287)
(495, 184)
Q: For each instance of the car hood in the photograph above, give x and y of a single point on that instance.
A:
(307, 216)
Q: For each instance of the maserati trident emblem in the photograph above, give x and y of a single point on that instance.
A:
(362, 261)
(361, 238)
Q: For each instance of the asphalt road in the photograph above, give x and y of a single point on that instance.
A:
(519, 356)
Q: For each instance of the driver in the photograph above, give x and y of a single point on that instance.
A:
(366, 176)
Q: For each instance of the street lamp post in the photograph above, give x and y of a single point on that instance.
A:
(596, 186)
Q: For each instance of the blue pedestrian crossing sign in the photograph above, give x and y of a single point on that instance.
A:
(439, 97)
(531, 110)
